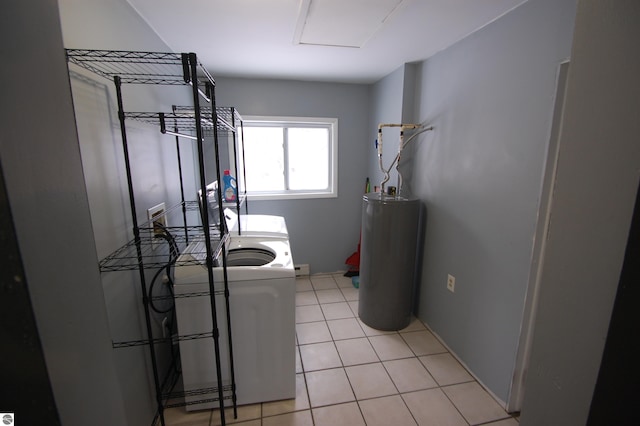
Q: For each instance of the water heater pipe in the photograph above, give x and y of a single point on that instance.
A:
(401, 146)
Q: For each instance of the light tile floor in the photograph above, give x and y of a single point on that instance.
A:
(351, 374)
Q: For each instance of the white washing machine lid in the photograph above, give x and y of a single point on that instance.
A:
(256, 225)
(280, 267)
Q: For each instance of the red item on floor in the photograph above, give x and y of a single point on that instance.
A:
(354, 263)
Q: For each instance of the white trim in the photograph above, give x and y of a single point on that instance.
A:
(523, 354)
(332, 191)
(292, 196)
(303, 11)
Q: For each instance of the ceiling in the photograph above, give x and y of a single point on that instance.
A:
(354, 41)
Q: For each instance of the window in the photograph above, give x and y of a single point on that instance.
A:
(290, 157)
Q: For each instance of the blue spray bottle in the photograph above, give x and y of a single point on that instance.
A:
(230, 187)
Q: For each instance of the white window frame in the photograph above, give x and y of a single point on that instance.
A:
(287, 194)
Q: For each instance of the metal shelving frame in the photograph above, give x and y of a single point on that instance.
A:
(129, 67)
(229, 121)
(236, 122)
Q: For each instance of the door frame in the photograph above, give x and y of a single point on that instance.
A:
(516, 392)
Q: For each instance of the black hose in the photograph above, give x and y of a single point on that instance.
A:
(173, 256)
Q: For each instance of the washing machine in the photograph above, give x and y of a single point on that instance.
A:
(261, 281)
(256, 225)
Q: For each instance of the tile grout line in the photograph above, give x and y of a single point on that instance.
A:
(415, 355)
(400, 393)
(345, 370)
(313, 417)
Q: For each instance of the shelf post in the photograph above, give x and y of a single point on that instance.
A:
(191, 62)
(223, 225)
(136, 235)
(184, 206)
(244, 167)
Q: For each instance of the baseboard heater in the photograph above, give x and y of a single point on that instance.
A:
(301, 270)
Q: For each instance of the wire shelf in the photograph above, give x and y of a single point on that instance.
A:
(182, 120)
(203, 392)
(126, 257)
(140, 67)
(228, 117)
(196, 392)
(170, 297)
(144, 342)
(176, 398)
(153, 255)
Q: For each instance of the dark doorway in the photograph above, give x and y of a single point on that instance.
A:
(26, 397)
(618, 387)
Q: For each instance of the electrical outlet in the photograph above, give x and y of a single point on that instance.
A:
(451, 283)
(158, 218)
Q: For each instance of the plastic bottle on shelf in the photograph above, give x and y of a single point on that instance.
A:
(230, 187)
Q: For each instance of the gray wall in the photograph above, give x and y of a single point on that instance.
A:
(323, 232)
(44, 176)
(490, 98)
(595, 190)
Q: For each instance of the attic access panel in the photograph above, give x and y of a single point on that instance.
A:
(342, 23)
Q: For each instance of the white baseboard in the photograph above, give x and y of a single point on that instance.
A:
(489, 391)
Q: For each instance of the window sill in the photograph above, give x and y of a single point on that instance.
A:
(291, 196)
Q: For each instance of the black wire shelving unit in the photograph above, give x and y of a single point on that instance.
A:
(195, 123)
(180, 122)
